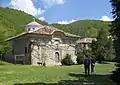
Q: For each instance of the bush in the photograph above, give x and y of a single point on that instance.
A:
(67, 60)
(80, 59)
(80, 56)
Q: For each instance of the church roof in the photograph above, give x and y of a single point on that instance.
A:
(45, 30)
(49, 30)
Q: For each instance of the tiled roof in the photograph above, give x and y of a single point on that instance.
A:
(47, 30)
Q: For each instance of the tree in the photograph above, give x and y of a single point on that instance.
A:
(94, 48)
(110, 49)
(4, 46)
(115, 31)
(80, 58)
(99, 46)
(91, 32)
(81, 53)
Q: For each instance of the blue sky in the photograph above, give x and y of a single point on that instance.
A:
(63, 11)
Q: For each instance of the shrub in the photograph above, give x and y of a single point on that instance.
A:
(67, 60)
(80, 59)
(80, 56)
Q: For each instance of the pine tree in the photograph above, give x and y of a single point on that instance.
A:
(116, 34)
(116, 25)
(110, 50)
(99, 46)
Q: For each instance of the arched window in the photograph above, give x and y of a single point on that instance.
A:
(28, 29)
(33, 28)
(57, 57)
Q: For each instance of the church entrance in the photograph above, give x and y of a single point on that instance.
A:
(57, 57)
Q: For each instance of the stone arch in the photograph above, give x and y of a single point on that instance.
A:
(57, 56)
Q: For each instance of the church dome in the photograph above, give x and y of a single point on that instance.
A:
(33, 26)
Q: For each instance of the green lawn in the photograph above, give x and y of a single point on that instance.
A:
(34, 75)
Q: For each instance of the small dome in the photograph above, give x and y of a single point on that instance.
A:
(34, 24)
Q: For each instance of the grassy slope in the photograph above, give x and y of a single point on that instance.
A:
(11, 74)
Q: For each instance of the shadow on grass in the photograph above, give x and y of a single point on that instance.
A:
(104, 62)
(36, 83)
(97, 79)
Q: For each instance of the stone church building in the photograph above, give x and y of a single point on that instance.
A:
(42, 45)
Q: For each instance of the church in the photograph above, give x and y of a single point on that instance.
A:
(42, 45)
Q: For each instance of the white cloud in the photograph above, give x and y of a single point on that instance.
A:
(66, 22)
(105, 18)
(26, 6)
(40, 11)
(41, 18)
(49, 3)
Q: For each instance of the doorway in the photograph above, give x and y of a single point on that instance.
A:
(57, 57)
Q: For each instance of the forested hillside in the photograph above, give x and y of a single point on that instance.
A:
(13, 22)
(84, 28)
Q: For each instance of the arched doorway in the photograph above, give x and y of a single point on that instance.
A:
(57, 57)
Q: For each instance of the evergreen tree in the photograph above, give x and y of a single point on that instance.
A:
(116, 34)
(94, 48)
(116, 25)
(99, 46)
(110, 50)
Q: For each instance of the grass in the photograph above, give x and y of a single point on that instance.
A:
(11, 74)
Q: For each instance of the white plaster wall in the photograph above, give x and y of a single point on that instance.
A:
(36, 55)
(67, 49)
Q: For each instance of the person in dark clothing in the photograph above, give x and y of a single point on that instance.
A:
(93, 65)
(87, 65)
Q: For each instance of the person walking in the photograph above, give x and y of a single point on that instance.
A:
(93, 65)
(87, 65)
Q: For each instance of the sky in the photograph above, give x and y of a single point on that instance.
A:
(63, 11)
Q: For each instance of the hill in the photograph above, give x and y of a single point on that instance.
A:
(12, 22)
(84, 28)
